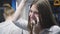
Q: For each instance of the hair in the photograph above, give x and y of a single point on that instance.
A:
(8, 11)
(47, 19)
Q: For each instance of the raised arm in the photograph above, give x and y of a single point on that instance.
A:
(19, 10)
(21, 22)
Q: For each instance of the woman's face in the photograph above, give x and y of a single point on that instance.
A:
(33, 15)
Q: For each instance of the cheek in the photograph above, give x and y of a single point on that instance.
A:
(36, 15)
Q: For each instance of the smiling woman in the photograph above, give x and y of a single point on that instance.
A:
(40, 16)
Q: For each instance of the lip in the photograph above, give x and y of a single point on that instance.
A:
(33, 20)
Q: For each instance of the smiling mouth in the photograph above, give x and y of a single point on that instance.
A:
(33, 21)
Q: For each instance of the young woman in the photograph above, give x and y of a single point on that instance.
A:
(40, 19)
(41, 15)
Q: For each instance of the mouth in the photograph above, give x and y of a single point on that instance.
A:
(33, 21)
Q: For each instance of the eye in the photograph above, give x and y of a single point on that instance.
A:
(35, 12)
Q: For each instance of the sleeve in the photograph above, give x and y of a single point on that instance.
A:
(16, 31)
(22, 23)
(19, 9)
(55, 29)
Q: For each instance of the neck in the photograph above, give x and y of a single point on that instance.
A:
(8, 18)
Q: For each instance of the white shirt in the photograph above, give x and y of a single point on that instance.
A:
(22, 24)
(54, 29)
(8, 27)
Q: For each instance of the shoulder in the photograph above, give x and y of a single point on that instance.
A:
(15, 30)
(4, 24)
(54, 29)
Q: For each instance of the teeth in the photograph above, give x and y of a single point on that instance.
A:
(33, 22)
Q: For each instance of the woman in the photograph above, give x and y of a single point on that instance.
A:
(40, 18)
(41, 14)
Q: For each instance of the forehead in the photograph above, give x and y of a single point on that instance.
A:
(34, 8)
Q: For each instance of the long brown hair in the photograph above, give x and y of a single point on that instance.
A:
(47, 19)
